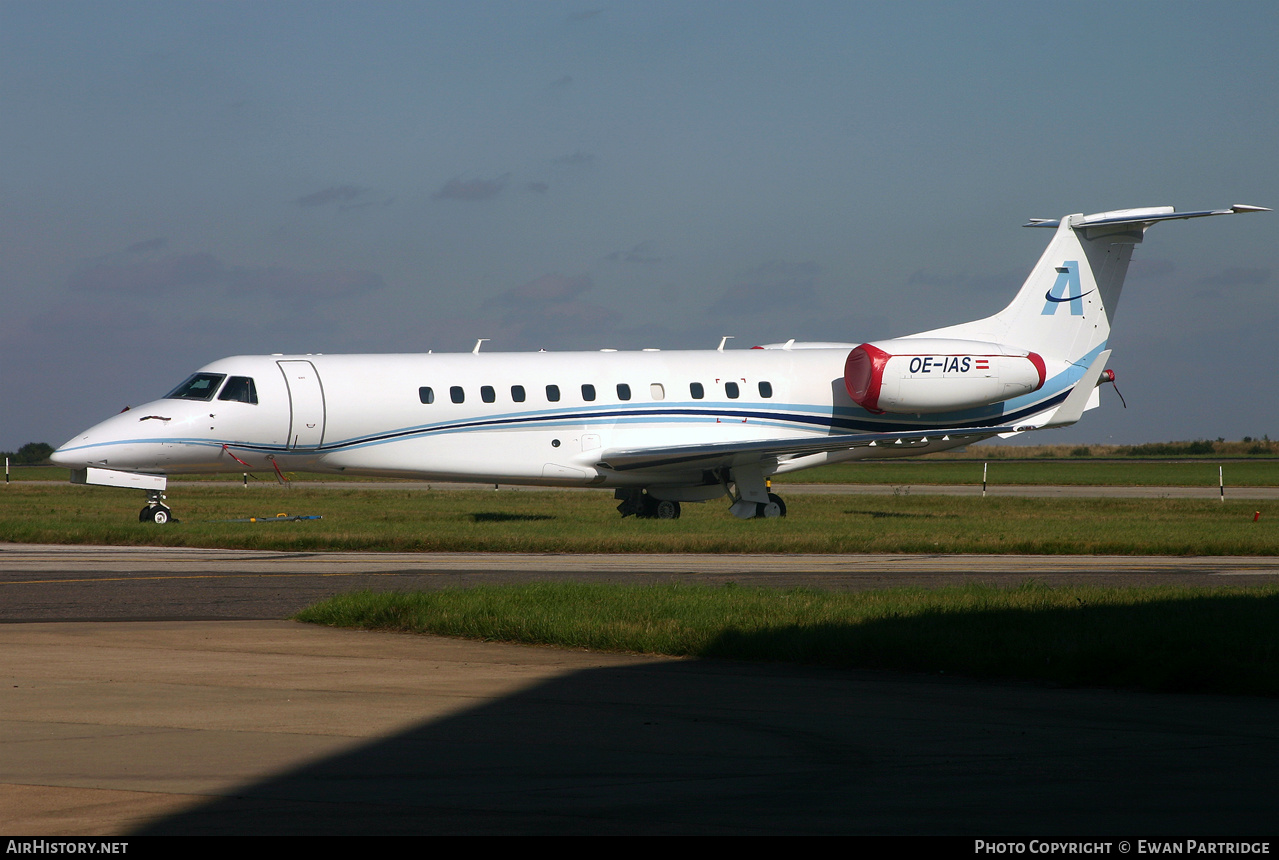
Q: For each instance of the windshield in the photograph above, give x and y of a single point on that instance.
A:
(240, 388)
(199, 387)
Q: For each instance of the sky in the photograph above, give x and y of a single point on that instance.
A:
(182, 181)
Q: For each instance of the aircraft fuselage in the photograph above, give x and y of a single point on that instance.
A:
(534, 418)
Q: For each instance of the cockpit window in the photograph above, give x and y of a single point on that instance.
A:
(199, 387)
(240, 389)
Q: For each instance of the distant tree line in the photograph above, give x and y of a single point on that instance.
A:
(29, 454)
(1198, 447)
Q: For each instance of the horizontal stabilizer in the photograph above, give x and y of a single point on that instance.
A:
(1148, 215)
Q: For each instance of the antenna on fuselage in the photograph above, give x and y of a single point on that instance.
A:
(723, 340)
(478, 342)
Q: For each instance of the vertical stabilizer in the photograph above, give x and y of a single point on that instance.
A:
(1064, 310)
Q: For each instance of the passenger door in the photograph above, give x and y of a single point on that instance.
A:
(306, 401)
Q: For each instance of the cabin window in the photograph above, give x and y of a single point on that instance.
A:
(623, 391)
(240, 389)
(657, 391)
(197, 387)
(426, 394)
(517, 393)
(695, 389)
(588, 392)
(487, 394)
(766, 389)
(456, 394)
(553, 393)
(731, 389)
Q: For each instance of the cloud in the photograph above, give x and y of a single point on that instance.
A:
(576, 159)
(471, 189)
(641, 253)
(346, 207)
(563, 319)
(177, 273)
(157, 244)
(920, 277)
(294, 283)
(548, 311)
(1149, 269)
(89, 323)
(168, 274)
(1005, 281)
(1236, 276)
(336, 194)
(771, 286)
(542, 292)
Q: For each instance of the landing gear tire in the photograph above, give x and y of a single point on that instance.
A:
(666, 510)
(158, 514)
(746, 510)
(767, 511)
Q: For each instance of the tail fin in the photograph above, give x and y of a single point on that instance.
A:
(1064, 310)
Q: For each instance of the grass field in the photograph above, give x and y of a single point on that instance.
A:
(1163, 639)
(585, 521)
(1185, 472)
(934, 469)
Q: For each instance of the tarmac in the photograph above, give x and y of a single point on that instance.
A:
(274, 727)
(156, 723)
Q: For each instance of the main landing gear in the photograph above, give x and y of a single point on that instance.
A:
(746, 506)
(745, 509)
(751, 496)
(156, 510)
(639, 504)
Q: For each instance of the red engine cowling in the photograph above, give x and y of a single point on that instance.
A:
(923, 375)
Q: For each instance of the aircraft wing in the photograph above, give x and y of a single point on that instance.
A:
(720, 455)
(728, 454)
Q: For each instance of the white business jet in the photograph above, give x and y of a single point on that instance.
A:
(660, 427)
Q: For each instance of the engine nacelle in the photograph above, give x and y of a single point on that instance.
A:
(921, 375)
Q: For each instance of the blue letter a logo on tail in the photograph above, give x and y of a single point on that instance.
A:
(1066, 289)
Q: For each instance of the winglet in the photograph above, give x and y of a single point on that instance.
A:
(1072, 408)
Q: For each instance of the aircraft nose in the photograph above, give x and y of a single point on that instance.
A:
(85, 447)
(68, 458)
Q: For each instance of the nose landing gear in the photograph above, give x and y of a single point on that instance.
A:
(156, 510)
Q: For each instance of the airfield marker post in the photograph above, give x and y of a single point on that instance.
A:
(1221, 483)
(983, 479)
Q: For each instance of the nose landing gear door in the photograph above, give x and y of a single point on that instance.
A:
(306, 400)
